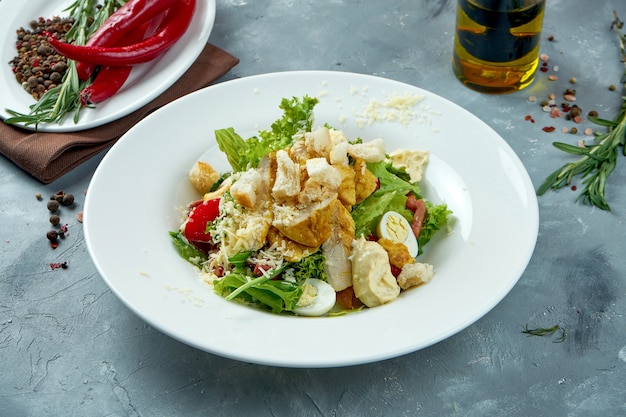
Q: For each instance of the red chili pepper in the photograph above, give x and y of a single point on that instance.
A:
(195, 227)
(119, 24)
(176, 23)
(109, 80)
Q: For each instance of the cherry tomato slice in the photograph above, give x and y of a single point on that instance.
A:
(203, 213)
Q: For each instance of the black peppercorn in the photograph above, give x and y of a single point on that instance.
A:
(52, 235)
(67, 200)
(55, 219)
(53, 205)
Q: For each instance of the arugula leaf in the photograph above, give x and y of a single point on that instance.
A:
(244, 154)
(187, 251)
(239, 260)
(277, 295)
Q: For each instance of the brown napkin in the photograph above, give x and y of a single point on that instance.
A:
(47, 156)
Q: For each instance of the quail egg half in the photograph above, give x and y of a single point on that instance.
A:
(394, 226)
(317, 299)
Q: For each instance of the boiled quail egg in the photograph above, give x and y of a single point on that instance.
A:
(318, 297)
(394, 226)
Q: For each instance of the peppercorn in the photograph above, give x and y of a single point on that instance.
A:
(53, 205)
(575, 111)
(52, 235)
(38, 196)
(67, 200)
(592, 113)
(55, 219)
(612, 87)
(573, 131)
(58, 196)
(36, 60)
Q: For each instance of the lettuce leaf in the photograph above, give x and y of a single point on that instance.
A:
(244, 154)
(276, 295)
(391, 196)
(234, 146)
(368, 212)
(311, 266)
(437, 217)
(391, 179)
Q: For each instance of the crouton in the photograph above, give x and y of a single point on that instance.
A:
(203, 176)
(414, 274)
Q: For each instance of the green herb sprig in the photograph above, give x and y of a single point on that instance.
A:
(56, 103)
(597, 160)
(547, 331)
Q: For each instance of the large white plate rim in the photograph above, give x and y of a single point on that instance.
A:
(146, 82)
(232, 325)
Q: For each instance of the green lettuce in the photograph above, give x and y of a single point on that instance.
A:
(243, 154)
(311, 266)
(437, 217)
(392, 196)
(392, 180)
(276, 295)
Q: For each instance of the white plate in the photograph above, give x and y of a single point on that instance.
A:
(146, 82)
(136, 194)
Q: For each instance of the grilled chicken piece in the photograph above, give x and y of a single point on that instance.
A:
(336, 249)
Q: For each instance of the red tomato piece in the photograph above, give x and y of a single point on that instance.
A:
(203, 213)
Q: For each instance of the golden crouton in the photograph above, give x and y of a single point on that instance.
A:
(203, 176)
(415, 274)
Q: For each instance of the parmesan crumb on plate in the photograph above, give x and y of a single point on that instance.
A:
(396, 108)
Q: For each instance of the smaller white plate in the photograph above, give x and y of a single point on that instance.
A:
(146, 82)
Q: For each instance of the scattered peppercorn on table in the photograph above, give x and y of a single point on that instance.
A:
(555, 344)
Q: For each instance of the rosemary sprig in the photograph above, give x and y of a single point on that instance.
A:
(56, 103)
(542, 331)
(598, 160)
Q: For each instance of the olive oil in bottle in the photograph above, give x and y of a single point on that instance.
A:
(496, 46)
